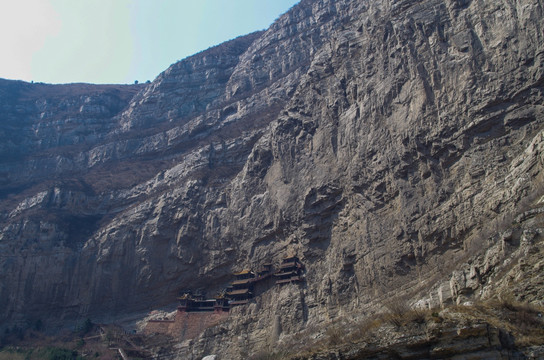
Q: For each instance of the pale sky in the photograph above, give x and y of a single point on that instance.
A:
(118, 41)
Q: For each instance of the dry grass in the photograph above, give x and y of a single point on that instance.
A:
(401, 314)
(345, 333)
(12, 354)
(365, 329)
(269, 355)
(335, 335)
(522, 320)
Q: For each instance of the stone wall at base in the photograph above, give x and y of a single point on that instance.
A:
(186, 325)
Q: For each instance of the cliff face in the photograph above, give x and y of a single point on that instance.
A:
(379, 140)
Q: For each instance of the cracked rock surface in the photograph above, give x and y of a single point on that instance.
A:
(377, 140)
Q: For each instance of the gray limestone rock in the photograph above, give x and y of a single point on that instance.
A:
(383, 142)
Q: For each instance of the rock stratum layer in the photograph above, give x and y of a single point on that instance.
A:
(381, 141)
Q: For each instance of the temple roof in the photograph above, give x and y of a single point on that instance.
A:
(287, 273)
(238, 292)
(243, 272)
(241, 282)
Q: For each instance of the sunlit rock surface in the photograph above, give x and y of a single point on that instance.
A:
(383, 142)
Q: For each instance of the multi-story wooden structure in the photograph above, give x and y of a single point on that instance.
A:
(241, 289)
(264, 271)
(290, 271)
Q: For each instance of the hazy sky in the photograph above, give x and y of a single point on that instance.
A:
(118, 41)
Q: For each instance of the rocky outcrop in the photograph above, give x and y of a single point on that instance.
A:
(452, 340)
(379, 141)
(44, 126)
(510, 268)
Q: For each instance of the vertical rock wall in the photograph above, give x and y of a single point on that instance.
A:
(375, 139)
